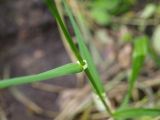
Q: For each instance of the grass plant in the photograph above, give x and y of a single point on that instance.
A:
(85, 64)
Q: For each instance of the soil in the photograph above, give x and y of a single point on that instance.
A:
(29, 43)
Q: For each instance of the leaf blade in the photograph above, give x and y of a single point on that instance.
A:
(139, 53)
(83, 49)
(60, 71)
(54, 11)
(136, 112)
(91, 71)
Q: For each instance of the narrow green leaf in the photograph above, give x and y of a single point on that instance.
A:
(135, 113)
(84, 51)
(91, 71)
(60, 71)
(139, 53)
(53, 9)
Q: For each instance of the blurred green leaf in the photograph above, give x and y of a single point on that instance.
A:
(101, 17)
(127, 37)
(140, 51)
(103, 10)
(158, 10)
(145, 118)
(148, 11)
(104, 4)
(135, 113)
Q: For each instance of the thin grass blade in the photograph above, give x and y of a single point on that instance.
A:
(60, 71)
(91, 71)
(136, 112)
(54, 11)
(139, 53)
(84, 50)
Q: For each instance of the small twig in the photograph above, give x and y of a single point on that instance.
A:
(150, 82)
(73, 106)
(135, 21)
(86, 113)
(33, 107)
(100, 116)
(26, 101)
(2, 114)
(115, 81)
(48, 87)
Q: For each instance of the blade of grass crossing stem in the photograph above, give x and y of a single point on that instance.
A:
(135, 112)
(60, 71)
(53, 9)
(91, 70)
(140, 51)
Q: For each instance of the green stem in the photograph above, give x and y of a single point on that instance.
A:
(90, 71)
(99, 93)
